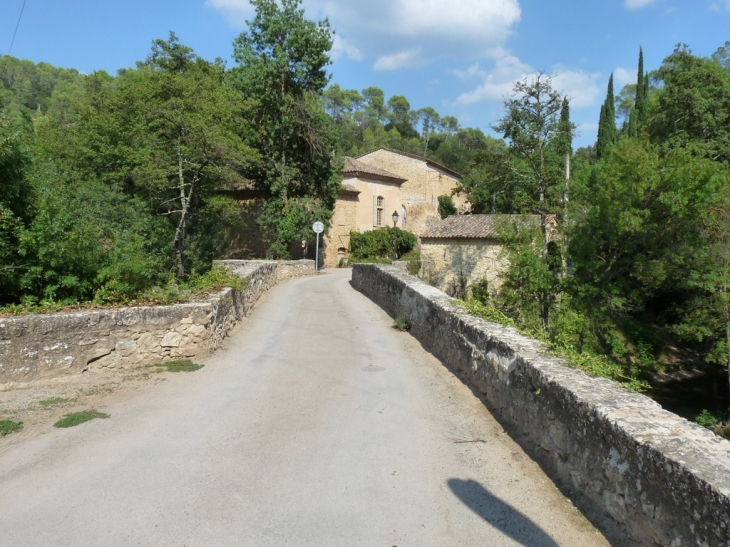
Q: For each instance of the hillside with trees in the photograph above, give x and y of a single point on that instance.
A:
(642, 280)
(111, 183)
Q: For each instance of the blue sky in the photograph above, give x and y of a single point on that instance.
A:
(459, 56)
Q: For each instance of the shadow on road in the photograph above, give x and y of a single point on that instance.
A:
(500, 514)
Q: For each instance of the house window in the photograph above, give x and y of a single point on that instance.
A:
(379, 202)
(403, 216)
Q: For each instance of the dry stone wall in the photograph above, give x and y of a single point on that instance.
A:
(36, 347)
(665, 480)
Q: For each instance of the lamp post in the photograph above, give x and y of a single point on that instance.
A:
(395, 236)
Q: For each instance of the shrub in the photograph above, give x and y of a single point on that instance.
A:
(480, 291)
(401, 323)
(379, 243)
(446, 206)
(413, 267)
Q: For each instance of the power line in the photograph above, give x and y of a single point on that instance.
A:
(16, 27)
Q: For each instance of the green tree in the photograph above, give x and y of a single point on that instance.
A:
(530, 122)
(15, 208)
(632, 246)
(400, 117)
(446, 206)
(430, 121)
(641, 95)
(693, 106)
(498, 182)
(282, 60)
(607, 134)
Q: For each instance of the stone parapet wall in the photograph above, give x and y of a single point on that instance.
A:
(34, 347)
(285, 269)
(665, 480)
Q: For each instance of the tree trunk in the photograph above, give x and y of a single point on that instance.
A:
(179, 242)
(566, 197)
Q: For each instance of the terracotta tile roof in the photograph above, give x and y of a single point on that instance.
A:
(357, 168)
(349, 189)
(478, 226)
(415, 157)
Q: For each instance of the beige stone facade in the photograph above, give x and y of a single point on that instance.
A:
(379, 183)
(453, 265)
(425, 182)
(461, 251)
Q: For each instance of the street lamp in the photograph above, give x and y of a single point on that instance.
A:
(395, 236)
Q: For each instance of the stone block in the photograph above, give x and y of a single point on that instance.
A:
(171, 340)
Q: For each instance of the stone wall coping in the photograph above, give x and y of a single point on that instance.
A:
(692, 457)
(41, 346)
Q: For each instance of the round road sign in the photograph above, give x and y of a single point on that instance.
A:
(318, 227)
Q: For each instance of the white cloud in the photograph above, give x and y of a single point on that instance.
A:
(496, 84)
(402, 59)
(470, 73)
(637, 4)
(724, 5)
(623, 76)
(385, 29)
(236, 11)
(581, 87)
(341, 47)
(473, 19)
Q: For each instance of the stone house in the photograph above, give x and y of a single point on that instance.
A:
(463, 250)
(380, 182)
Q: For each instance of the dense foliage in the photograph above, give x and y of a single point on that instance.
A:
(110, 184)
(364, 121)
(640, 272)
(381, 243)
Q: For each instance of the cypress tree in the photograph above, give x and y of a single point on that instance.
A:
(601, 140)
(642, 85)
(632, 123)
(565, 129)
(607, 134)
(611, 111)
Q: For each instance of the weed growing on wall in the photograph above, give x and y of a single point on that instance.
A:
(591, 363)
(401, 323)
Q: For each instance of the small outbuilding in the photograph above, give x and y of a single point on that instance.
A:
(463, 250)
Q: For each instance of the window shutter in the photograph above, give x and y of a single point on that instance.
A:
(375, 211)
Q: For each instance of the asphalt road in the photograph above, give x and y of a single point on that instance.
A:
(318, 425)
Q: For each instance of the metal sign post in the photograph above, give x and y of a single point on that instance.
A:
(318, 228)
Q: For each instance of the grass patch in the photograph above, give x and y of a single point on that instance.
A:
(401, 323)
(591, 363)
(53, 401)
(76, 418)
(181, 365)
(9, 426)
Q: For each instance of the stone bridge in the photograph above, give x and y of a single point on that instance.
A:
(318, 424)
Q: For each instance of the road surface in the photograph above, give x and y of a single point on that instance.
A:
(318, 425)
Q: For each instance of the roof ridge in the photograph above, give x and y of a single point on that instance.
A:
(414, 156)
(356, 167)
